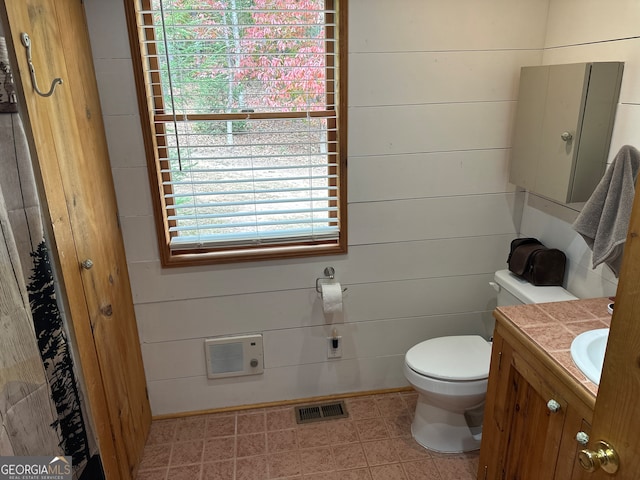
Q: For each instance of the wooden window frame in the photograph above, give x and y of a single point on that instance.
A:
(155, 146)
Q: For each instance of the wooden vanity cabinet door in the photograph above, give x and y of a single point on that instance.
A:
(534, 431)
(521, 435)
(496, 411)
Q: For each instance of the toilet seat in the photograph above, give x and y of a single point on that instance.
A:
(422, 383)
(454, 358)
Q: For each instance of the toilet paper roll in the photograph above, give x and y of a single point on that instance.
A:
(331, 297)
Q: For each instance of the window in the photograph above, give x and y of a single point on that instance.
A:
(244, 111)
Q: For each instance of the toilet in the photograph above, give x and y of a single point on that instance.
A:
(513, 290)
(450, 375)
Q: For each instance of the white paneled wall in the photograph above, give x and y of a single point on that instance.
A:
(584, 31)
(432, 91)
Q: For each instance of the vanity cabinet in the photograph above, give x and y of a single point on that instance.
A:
(563, 126)
(531, 418)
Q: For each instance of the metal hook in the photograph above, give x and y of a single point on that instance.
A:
(26, 41)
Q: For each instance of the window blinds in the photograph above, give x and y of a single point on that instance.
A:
(242, 95)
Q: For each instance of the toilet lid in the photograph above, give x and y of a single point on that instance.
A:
(465, 357)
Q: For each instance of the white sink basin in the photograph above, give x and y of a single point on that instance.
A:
(587, 351)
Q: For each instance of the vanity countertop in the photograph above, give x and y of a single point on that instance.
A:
(549, 329)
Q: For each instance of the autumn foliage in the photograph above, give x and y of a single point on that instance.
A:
(260, 55)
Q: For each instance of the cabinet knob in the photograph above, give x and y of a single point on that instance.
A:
(566, 136)
(582, 438)
(604, 457)
(553, 406)
(87, 264)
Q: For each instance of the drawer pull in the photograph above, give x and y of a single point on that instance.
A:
(553, 406)
(582, 438)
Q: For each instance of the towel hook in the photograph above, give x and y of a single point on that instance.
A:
(26, 41)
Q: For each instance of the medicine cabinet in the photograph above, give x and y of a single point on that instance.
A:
(563, 125)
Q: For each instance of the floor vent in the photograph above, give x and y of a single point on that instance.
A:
(320, 412)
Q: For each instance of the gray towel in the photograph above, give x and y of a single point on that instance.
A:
(604, 219)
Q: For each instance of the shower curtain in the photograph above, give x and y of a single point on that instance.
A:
(40, 402)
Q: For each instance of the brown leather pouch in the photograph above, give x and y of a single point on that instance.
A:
(539, 265)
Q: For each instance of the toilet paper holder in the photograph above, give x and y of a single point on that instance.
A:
(329, 274)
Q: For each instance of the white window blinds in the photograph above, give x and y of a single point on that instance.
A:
(242, 96)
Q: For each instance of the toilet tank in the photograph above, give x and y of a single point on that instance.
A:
(513, 290)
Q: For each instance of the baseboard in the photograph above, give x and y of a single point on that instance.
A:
(281, 403)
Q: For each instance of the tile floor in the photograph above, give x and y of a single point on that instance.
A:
(373, 443)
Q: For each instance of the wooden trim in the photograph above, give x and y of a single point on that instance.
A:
(283, 403)
(188, 258)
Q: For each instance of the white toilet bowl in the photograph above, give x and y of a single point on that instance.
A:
(450, 375)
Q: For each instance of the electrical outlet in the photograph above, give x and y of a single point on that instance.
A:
(334, 352)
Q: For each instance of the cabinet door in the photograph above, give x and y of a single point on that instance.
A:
(521, 436)
(497, 411)
(566, 91)
(525, 148)
(534, 429)
(563, 126)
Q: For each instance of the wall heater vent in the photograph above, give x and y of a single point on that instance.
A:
(234, 356)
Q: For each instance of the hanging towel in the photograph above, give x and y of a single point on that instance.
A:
(604, 219)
